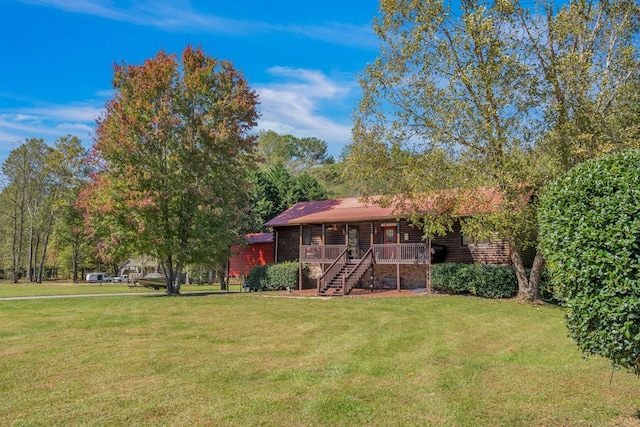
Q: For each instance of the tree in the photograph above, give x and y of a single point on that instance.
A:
(466, 95)
(171, 154)
(24, 172)
(296, 154)
(590, 236)
(276, 190)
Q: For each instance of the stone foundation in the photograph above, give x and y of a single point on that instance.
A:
(411, 276)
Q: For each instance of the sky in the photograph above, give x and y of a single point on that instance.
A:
(302, 58)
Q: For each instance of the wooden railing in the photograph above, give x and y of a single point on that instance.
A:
(321, 254)
(391, 253)
(354, 275)
(400, 253)
(334, 268)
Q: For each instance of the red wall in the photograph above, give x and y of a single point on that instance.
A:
(243, 259)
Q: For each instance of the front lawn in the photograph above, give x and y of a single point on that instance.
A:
(256, 359)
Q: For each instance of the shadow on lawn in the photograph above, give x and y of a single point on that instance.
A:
(196, 294)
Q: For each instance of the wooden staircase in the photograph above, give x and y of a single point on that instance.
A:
(345, 276)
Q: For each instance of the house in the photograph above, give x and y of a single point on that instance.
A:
(349, 244)
(258, 251)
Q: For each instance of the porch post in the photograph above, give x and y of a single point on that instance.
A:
(346, 234)
(275, 249)
(323, 250)
(371, 235)
(300, 261)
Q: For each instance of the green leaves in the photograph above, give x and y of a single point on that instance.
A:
(173, 149)
(590, 234)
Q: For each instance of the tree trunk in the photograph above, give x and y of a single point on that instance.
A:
(29, 277)
(44, 247)
(16, 246)
(178, 279)
(528, 287)
(75, 249)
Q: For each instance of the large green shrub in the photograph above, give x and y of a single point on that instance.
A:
(274, 277)
(590, 237)
(488, 281)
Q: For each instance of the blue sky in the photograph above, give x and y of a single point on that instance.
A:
(301, 57)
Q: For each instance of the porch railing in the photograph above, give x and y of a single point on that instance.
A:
(334, 268)
(322, 254)
(400, 253)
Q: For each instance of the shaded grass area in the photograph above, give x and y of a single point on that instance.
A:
(69, 288)
(255, 360)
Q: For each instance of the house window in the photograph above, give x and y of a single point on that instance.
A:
(353, 236)
(306, 236)
(470, 240)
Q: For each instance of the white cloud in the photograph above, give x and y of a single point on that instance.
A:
(47, 121)
(176, 16)
(301, 106)
(301, 102)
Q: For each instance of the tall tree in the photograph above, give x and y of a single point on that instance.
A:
(472, 93)
(26, 190)
(296, 154)
(171, 154)
(275, 190)
(65, 168)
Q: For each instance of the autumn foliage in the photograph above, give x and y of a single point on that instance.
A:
(170, 156)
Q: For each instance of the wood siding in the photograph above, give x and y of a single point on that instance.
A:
(455, 252)
(288, 241)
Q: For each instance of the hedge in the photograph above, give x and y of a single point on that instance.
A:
(590, 237)
(275, 277)
(488, 281)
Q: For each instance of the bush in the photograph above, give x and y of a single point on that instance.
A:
(275, 277)
(488, 281)
(590, 237)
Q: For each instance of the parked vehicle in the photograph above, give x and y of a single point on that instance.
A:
(98, 278)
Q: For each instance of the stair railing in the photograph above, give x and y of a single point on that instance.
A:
(366, 260)
(334, 268)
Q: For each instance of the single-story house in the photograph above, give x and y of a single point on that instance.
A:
(349, 244)
(257, 251)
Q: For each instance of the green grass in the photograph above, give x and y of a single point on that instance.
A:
(69, 288)
(259, 360)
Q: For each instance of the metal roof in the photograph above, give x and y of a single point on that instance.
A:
(458, 202)
(336, 210)
(253, 238)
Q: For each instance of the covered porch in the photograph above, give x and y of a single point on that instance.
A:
(344, 266)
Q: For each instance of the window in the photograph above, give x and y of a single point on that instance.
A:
(306, 236)
(469, 240)
(353, 236)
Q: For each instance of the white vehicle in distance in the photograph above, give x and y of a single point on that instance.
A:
(99, 278)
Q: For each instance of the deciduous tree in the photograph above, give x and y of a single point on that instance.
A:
(477, 93)
(171, 154)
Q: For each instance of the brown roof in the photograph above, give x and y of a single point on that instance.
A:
(336, 210)
(460, 202)
(253, 238)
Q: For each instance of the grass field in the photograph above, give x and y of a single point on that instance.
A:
(265, 360)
